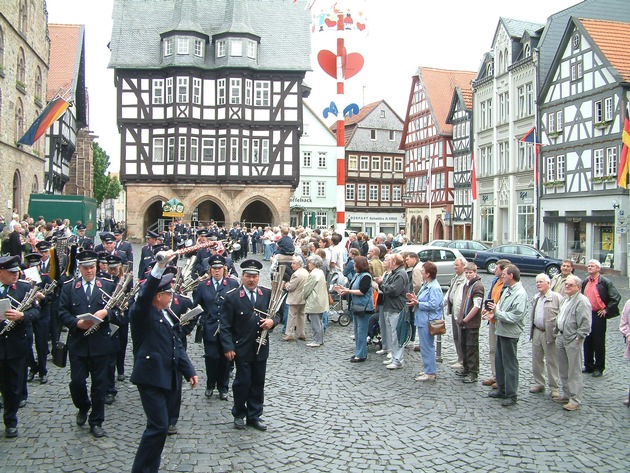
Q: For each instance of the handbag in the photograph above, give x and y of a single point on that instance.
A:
(437, 327)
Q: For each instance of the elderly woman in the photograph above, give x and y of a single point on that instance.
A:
(429, 303)
(362, 306)
(316, 296)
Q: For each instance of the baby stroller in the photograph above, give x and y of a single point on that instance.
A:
(336, 313)
(374, 332)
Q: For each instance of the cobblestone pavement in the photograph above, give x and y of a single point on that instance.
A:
(326, 414)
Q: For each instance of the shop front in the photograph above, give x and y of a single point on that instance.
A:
(373, 223)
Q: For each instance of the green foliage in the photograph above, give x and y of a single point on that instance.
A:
(105, 186)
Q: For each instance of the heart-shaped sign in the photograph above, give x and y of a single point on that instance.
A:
(351, 63)
(360, 26)
(330, 23)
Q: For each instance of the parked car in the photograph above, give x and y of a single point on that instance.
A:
(527, 258)
(438, 243)
(442, 257)
(468, 248)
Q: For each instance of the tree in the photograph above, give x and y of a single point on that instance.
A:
(105, 186)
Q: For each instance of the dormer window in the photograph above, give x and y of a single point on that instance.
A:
(489, 69)
(183, 45)
(220, 48)
(252, 48)
(527, 51)
(236, 47)
(198, 48)
(168, 47)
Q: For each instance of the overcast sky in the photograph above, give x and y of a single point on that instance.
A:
(403, 34)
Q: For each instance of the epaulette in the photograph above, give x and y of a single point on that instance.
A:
(69, 280)
(232, 290)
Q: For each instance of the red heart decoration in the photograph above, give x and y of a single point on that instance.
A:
(360, 26)
(351, 66)
(330, 23)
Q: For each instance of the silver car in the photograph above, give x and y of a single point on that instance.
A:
(442, 257)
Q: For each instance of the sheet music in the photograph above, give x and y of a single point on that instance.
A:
(32, 273)
(5, 305)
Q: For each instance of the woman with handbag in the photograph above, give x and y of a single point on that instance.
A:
(429, 304)
(361, 306)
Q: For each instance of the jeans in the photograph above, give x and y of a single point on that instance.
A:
(361, 323)
(268, 252)
(427, 350)
(507, 366)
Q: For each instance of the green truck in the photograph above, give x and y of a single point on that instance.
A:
(72, 207)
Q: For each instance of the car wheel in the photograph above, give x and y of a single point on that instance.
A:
(553, 270)
(491, 267)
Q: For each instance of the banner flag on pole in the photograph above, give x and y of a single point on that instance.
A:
(624, 159)
(49, 115)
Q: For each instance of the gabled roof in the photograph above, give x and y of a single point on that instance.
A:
(354, 120)
(611, 37)
(283, 28)
(440, 84)
(516, 28)
(66, 48)
(185, 17)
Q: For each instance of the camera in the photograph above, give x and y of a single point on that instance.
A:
(486, 304)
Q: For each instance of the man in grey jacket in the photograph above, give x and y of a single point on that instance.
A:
(572, 327)
(510, 320)
(394, 290)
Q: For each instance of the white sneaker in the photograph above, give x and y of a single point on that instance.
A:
(394, 366)
(457, 365)
(426, 377)
(389, 355)
(381, 352)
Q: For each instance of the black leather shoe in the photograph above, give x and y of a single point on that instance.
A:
(81, 418)
(31, 376)
(510, 401)
(223, 396)
(121, 377)
(354, 359)
(461, 373)
(239, 423)
(11, 432)
(587, 370)
(22, 403)
(209, 392)
(496, 395)
(97, 431)
(597, 374)
(110, 398)
(43, 379)
(258, 425)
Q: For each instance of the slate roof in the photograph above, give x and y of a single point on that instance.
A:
(616, 10)
(611, 38)
(66, 45)
(440, 84)
(517, 28)
(284, 29)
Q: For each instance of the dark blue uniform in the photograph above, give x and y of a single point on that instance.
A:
(146, 256)
(239, 331)
(160, 361)
(89, 355)
(14, 346)
(211, 299)
(41, 332)
(85, 242)
(125, 246)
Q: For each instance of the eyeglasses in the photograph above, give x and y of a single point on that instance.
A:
(569, 284)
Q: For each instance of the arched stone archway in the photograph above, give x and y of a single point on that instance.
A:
(418, 230)
(412, 229)
(438, 230)
(151, 215)
(425, 230)
(209, 210)
(257, 213)
(17, 192)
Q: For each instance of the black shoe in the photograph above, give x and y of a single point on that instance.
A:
(97, 431)
(258, 425)
(510, 401)
(597, 374)
(11, 432)
(461, 373)
(354, 359)
(31, 375)
(43, 379)
(496, 395)
(209, 392)
(223, 396)
(110, 398)
(81, 418)
(587, 370)
(239, 423)
(22, 403)
(121, 377)
(172, 430)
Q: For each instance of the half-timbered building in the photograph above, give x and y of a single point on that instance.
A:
(210, 106)
(313, 203)
(583, 104)
(460, 117)
(374, 170)
(504, 96)
(427, 141)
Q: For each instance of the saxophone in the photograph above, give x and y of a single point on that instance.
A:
(27, 302)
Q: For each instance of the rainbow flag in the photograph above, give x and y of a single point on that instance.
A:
(51, 113)
(624, 159)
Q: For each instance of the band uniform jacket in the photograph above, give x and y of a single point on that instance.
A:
(15, 342)
(73, 302)
(159, 358)
(146, 256)
(180, 305)
(212, 300)
(85, 243)
(201, 254)
(125, 246)
(240, 324)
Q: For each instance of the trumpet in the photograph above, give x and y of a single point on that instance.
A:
(191, 284)
(26, 303)
(115, 300)
(277, 298)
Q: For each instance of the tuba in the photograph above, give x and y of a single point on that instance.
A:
(275, 303)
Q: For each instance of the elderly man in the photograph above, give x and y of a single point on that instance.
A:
(394, 290)
(545, 308)
(296, 301)
(509, 314)
(469, 321)
(452, 302)
(572, 326)
(557, 283)
(604, 299)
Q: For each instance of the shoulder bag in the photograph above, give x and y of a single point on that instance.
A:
(437, 327)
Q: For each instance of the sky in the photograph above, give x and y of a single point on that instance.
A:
(401, 36)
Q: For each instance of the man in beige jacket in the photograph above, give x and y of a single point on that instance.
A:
(296, 301)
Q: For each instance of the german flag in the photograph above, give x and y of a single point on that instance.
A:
(51, 113)
(624, 161)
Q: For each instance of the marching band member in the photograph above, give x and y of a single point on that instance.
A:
(160, 361)
(89, 355)
(146, 254)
